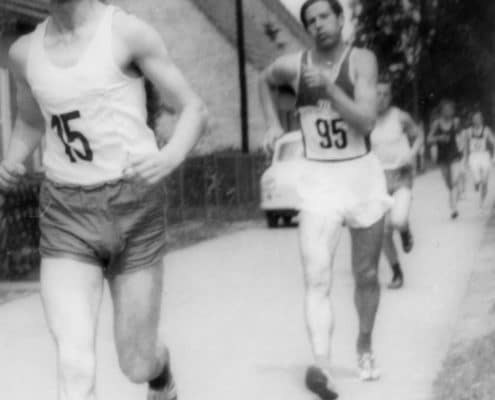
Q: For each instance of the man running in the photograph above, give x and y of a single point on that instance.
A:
(341, 181)
(478, 137)
(390, 140)
(102, 203)
(444, 133)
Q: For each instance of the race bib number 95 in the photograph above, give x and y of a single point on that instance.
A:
(327, 136)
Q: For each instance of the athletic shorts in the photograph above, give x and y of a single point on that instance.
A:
(398, 178)
(480, 165)
(353, 191)
(118, 226)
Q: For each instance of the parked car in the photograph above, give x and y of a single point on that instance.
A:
(279, 197)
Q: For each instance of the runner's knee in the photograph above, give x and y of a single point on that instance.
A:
(367, 278)
(138, 368)
(77, 364)
(318, 279)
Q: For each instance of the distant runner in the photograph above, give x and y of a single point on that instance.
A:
(444, 133)
(390, 140)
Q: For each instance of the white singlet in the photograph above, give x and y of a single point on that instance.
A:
(478, 140)
(389, 141)
(479, 156)
(95, 115)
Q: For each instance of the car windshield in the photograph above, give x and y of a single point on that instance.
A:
(290, 151)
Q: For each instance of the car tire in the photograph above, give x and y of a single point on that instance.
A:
(272, 219)
(287, 220)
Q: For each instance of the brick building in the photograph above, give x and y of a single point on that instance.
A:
(201, 37)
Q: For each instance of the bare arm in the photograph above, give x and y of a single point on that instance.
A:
(491, 137)
(27, 132)
(281, 72)
(412, 130)
(431, 139)
(148, 52)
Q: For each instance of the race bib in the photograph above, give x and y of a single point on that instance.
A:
(327, 137)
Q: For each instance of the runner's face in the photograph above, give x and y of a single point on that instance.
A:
(324, 26)
(448, 111)
(477, 119)
(384, 97)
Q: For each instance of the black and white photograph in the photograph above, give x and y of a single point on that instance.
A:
(247, 199)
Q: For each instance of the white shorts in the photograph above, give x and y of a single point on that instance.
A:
(354, 192)
(480, 165)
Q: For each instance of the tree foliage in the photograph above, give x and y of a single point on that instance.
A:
(445, 47)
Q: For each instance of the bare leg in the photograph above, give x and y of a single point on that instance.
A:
(366, 247)
(318, 237)
(449, 175)
(71, 292)
(485, 173)
(389, 246)
(137, 298)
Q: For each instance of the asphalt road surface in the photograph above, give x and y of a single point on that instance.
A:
(234, 316)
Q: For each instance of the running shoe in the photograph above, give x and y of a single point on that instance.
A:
(407, 240)
(320, 383)
(397, 281)
(163, 387)
(454, 215)
(367, 367)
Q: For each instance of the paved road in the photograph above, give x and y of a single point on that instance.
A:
(234, 317)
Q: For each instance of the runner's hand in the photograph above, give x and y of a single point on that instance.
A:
(150, 169)
(271, 136)
(10, 175)
(315, 77)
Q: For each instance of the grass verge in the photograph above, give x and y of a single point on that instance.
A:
(469, 373)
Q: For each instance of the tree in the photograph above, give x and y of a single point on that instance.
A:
(432, 48)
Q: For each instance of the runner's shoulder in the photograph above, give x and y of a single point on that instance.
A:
(18, 53)
(136, 33)
(363, 57)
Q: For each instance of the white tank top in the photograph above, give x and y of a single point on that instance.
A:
(95, 115)
(388, 139)
(477, 140)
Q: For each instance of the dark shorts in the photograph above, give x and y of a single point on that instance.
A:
(398, 178)
(117, 225)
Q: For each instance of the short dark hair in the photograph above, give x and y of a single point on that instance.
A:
(334, 5)
(446, 101)
(477, 111)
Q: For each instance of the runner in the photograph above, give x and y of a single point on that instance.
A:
(102, 204)
(479, 137)
(444, 134)
(390, 141)
(341, 181)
